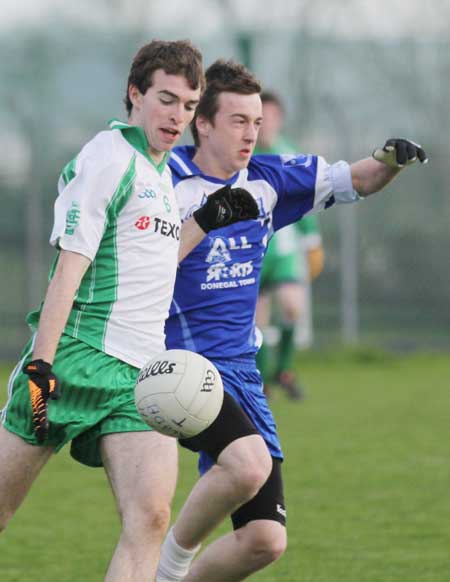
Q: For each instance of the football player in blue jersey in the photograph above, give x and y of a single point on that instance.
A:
(213, 313)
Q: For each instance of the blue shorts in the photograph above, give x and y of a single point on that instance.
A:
(242, 380)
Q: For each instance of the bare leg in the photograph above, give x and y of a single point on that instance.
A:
(20, 464)
(263, 310)
(291, 297)
(241, 470)
(240, 553)
(142, 470)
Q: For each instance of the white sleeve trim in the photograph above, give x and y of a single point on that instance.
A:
(340, 176)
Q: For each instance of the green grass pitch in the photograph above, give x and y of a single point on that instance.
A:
(367, 483)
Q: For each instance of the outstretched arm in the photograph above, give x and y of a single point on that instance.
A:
(372, 174)
(369, 176)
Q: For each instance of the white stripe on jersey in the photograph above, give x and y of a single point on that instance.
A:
(182, 165)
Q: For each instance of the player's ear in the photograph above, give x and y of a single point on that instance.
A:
(135, 96)
(202, 125)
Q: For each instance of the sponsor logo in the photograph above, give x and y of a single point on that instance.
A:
(281, 510)
(219, 252)
(143, 222)
(167, 228)
(221, 247)
(147, 193)
(160, 226)
(223, 273)
(157, 368)
(220, 271)
(72, 218)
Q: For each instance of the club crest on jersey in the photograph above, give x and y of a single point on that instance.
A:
(304, 160)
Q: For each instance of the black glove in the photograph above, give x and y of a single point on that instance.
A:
(43, 384)
(398, 152)
(226, 206)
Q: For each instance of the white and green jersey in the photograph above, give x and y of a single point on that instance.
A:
(117, 208)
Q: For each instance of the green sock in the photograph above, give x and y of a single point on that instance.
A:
(286, 348)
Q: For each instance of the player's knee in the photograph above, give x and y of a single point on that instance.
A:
(148, 519)
(291, 313)
(252, 476)
(265, 543)
(158, 519)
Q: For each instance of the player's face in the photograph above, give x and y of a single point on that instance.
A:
(165, 110)
(232, 137)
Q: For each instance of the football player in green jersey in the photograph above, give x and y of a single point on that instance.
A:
(118, 235)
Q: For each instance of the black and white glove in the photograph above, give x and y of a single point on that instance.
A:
(43, 384)
(226, 206)
(398, 153)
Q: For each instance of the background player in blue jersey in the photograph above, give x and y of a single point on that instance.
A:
(213, 313)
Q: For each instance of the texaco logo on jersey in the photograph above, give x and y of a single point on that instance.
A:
(160, 226)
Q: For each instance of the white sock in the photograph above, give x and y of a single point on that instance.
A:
(174, 561)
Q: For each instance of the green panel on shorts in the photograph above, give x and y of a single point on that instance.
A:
(97, 398)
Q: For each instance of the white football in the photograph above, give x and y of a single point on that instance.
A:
(179, 393)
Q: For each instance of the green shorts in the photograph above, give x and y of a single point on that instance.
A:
(284, 261)
(97, 398)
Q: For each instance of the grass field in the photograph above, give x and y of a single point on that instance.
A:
(367, 483)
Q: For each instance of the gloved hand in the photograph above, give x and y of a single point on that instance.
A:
(43, 384)
(399, 152)
(226, 206)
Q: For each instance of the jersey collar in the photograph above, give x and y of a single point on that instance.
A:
(135, 136)
(181, 162)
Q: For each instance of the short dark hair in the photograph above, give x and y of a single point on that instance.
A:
(178, 57)
(272, 97)
(223, 77)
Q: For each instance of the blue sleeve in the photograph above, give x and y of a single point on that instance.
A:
(293, 177)
(304, 184)
(299, 188)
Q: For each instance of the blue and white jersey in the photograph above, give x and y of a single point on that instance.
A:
(216, 288)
